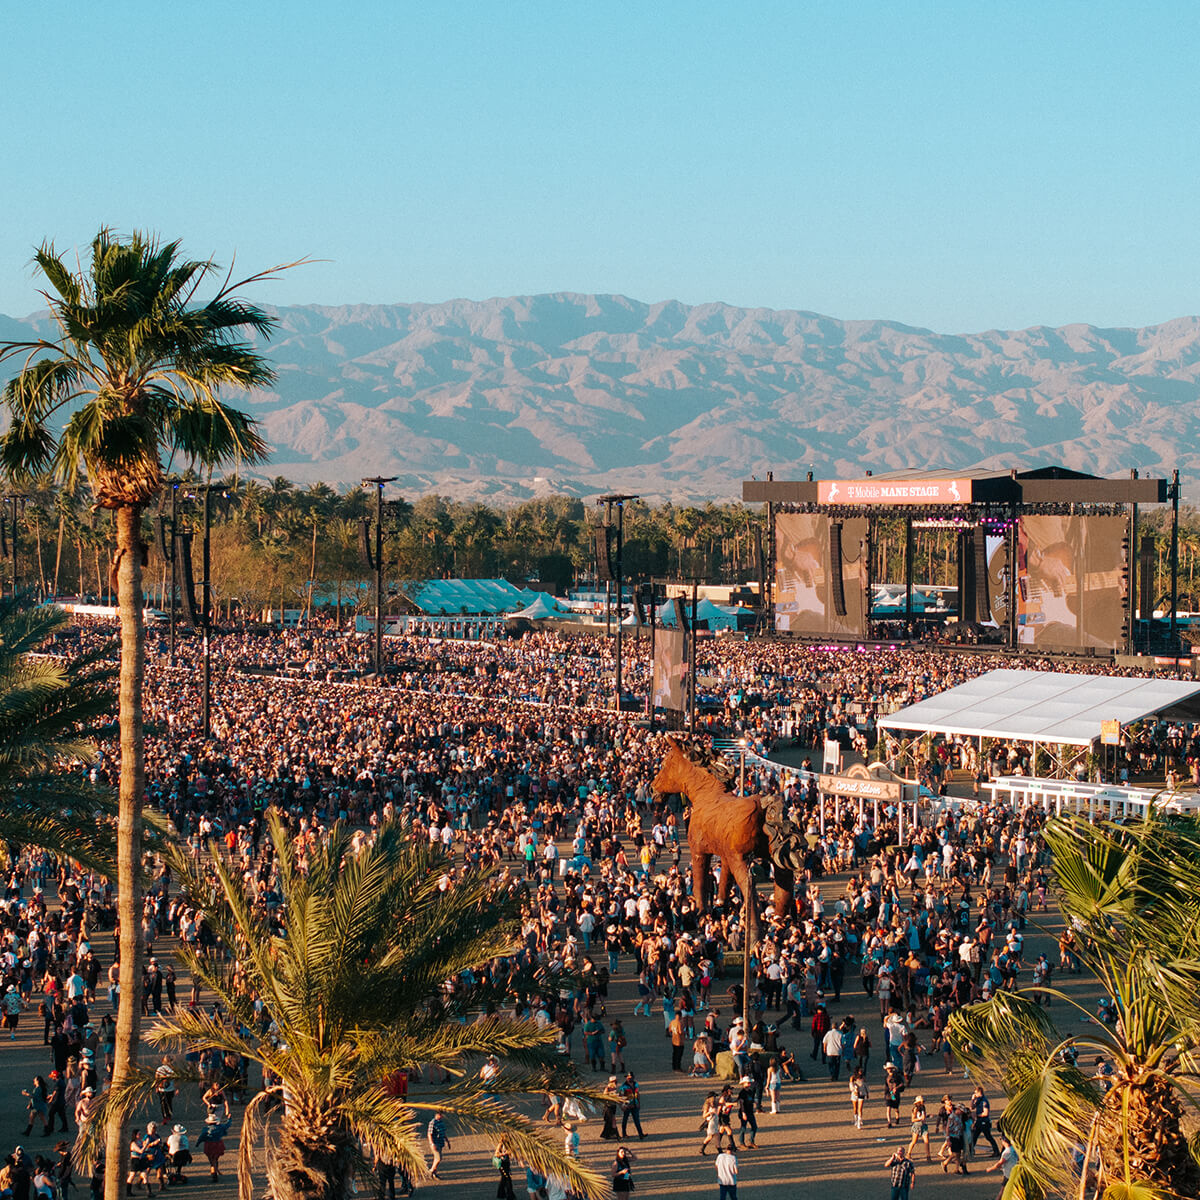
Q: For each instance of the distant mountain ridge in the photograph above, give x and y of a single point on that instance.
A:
(507, 398)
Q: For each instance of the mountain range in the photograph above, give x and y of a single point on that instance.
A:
(508, 398)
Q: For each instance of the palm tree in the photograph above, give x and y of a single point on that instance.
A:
(355, 990)
(1132, 892)
(138, 361)
(49, 711)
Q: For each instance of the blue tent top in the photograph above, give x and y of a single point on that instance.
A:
(444, 597)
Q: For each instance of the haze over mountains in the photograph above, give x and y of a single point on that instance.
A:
(507, 398)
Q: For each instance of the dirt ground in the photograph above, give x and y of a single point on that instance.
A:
(811, 1148)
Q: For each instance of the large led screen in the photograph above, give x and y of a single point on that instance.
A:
(805, 592)
(1071, 582)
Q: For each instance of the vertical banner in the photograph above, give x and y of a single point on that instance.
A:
(804, 585)
(1071, 579)
(670, 670)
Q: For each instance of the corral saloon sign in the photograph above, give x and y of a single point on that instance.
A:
(891, 491)
(856, 786)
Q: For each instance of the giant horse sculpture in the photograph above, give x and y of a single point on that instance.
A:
(737, 828)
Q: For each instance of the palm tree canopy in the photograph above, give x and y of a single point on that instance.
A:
(50, 710)
(1133, 895)
(353, 972)
(134, 371)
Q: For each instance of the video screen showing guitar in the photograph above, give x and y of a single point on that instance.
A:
(670, 670)
(1070, 581)
(803, 576)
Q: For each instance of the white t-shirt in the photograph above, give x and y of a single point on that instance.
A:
(727, 1168)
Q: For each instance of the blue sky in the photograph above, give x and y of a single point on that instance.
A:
(957, 166)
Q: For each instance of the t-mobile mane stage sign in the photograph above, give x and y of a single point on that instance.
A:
(890, 491)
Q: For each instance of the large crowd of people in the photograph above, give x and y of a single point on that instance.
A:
(506, 756)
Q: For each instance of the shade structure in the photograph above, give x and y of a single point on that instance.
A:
(716, 616)
(1047, 706)
(445, 596)
(543, 608)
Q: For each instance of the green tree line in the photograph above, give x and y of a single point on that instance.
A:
(278, 544)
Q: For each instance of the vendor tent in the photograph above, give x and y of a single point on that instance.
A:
(1047, 707)
(706, 610)
(542, 608)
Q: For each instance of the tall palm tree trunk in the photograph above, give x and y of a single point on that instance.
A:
(62, 521)
(37, 535)
(129, 832)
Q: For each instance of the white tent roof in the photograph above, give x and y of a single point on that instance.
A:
(542, 607)
(1047, 706)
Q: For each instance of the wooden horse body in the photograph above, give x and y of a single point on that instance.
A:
(732, 827)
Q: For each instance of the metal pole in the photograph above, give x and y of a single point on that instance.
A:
(1134, 572)
(206, 704)
(379, 482)
(1014, 538)
(908, 576)
(653, 633)
(748, 946)
(620, 594)
(379, 583)
(742, 780)
(173, 546)
(692, 668)
(1175, 559)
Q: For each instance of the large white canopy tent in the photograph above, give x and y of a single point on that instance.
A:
(1046, 708)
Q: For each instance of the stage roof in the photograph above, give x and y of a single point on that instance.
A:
(1047, 706)
(971, 485)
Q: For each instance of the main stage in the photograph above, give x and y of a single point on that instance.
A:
(1045, 558)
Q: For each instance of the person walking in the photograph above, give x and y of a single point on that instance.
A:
(502, 1161)
(438, 1142)
(631, 1106)
(1005, 1162)
(746, 1118)
(920, 1127)
(860, 1092)
(616, 1047)
(58, 1101)
(622, 1172)
(981, 1126)
(893, 1086)
(164, 1088)
(831, 1048)
(38, 1106)
(593, 1038)
(676, 1030)
(727, 1173)
(956, 1141)
(710, 1118)
(904, 1174)
(820, 1027)
(862, 1048)
(609, 1131)
(774, 1084)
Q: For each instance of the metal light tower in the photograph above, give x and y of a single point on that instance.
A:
(168, 547)
(204, 614)
(375, 561)
(617, 500)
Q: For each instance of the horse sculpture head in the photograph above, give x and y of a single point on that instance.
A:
(682, 760)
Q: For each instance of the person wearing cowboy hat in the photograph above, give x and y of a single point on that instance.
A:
(12, 1006)
(747, 1121)
(179, 1153)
